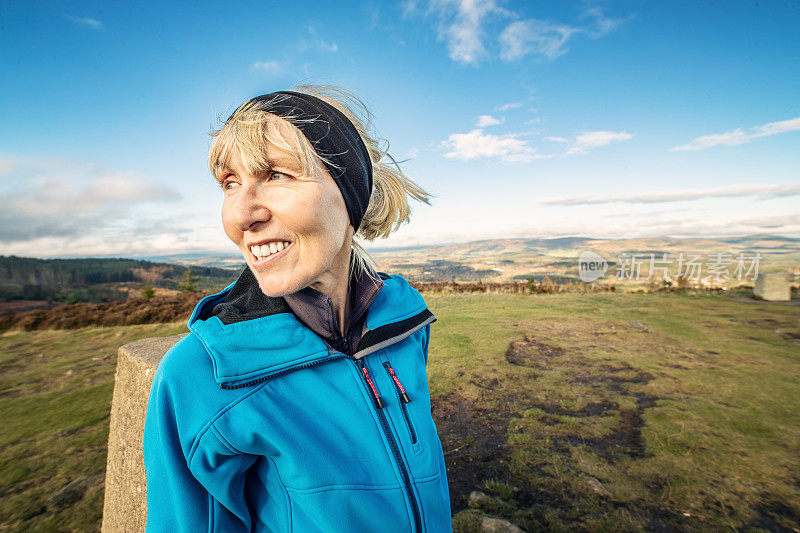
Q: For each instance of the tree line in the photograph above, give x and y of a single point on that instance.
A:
(98, 279)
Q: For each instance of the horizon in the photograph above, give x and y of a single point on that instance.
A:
(602, 120)
(377, 250)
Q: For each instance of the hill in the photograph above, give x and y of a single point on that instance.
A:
(500, 260)
(95, 279)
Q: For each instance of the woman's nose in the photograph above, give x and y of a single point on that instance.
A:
(249, 208)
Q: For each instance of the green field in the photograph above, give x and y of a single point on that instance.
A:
(595, 412)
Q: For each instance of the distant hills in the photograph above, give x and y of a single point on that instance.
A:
(95, 279)
(496, 260)
(520, 258)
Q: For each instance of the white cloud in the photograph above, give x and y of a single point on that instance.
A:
(556, 139)
(509, 106)
(86, 21)
(408, 7)
(461, 26)
(533, 36)
(739, 136)
(477, 144)
(595, 139)
(760, 191)
(464, 24)
(487, 120)
(602, 25)
(271, 67)
(61, 199)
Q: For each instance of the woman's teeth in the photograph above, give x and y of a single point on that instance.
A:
(265, 250)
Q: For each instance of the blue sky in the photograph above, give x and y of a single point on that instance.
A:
(523, 119)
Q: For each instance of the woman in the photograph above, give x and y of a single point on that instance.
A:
(299, 399)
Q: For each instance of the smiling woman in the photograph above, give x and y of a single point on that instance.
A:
(299, 400)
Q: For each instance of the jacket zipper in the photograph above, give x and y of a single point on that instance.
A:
(286, 371)
(402, 398)
(378, 403)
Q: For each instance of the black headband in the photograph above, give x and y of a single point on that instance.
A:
(334, 137)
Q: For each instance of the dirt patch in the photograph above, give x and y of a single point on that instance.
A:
(593, 412)
(531, 351)
(597, 408)
(474, 443)
(774, 515)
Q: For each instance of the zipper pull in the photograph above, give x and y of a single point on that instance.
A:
(378, 400)
(403, 394)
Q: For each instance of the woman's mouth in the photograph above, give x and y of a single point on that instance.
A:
(268, 253)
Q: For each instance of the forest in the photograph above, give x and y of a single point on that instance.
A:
(95, 279)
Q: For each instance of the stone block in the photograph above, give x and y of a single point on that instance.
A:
(773, 287)
(125, 502)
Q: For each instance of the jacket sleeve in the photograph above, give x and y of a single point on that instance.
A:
(195, 482)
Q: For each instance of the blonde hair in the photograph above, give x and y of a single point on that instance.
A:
(247, 133)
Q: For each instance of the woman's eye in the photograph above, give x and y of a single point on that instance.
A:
(225, 185)
(279, 175)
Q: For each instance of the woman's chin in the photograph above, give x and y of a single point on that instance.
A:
(276, 285)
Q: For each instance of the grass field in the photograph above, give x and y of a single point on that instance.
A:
(597, 412)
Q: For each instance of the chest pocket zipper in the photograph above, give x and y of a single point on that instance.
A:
(402, 398)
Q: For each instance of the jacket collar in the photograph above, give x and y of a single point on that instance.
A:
(261, 347)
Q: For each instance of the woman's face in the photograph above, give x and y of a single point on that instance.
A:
(303, 217)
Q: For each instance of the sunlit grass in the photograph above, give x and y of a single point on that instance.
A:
(631, 411)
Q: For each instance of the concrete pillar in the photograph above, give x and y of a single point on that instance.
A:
(125, 503)
(773, 287)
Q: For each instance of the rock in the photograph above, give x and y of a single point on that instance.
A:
(597, 487)
(498, 525)
(773, 287)
(125, 498)
(641, 326)
(477, 499)
(488, 504)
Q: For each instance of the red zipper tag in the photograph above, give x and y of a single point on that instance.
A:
(403, 394)
(378, 400)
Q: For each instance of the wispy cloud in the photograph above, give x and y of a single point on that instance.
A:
(477, 144)
(270, 67)
(739, 136)
(595, 139)
(760, 191)
(487, 120)
(464, 24)
(533, 36)
(509, 106)
(601, 25)
(461, 26)
(316, 43)
(86, 21)
(511, 148)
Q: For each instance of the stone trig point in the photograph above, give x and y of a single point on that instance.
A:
(773, 287)
(125, 504)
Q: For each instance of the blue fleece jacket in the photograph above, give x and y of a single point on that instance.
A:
(259, 425)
